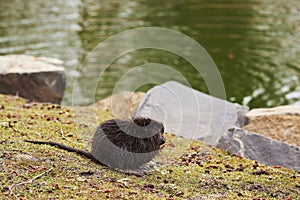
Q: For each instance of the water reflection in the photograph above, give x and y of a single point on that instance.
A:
(255, 44)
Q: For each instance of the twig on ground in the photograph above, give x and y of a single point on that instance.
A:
(11, 187)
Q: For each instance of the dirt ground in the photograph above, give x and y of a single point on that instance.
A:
(284, 127)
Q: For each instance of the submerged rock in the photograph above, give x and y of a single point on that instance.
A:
(189, 113)
(35, 78)
(262, 149)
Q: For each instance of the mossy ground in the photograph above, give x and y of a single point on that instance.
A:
(185, 170)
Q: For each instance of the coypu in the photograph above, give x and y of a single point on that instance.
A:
(122, 144)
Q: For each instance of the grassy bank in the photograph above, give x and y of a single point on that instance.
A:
(185, 169)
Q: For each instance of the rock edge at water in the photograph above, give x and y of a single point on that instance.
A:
(34, 78)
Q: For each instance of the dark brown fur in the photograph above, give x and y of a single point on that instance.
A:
(127, 144)
(122, 144)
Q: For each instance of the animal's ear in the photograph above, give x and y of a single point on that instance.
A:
(142, 121)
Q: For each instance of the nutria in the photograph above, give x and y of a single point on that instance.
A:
(122, 144)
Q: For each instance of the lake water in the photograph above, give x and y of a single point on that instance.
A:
(255, 44)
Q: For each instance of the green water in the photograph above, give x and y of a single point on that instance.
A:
(255, 44)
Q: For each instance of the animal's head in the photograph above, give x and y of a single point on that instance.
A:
(152, 129)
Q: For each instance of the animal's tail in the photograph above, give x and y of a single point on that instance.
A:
(64, 147)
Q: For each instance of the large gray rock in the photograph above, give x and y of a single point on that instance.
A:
(190, 113)
(262, 149)
(34, 78)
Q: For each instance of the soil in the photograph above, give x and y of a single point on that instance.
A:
(283, 127)
(122, 105)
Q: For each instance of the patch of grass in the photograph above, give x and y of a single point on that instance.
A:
(185, 169)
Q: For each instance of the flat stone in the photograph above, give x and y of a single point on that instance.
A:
(189, 113)
(297, 103)
(35, 78)
(259, 112)
(280, 123)
(262, 149)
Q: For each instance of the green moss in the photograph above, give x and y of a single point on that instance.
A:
(185, 169)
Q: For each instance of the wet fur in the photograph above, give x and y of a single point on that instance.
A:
(122, 144)
(127, 144)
